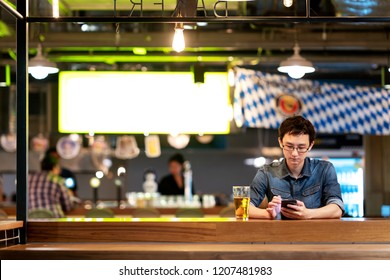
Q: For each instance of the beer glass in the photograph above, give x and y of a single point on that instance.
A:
(241, 196)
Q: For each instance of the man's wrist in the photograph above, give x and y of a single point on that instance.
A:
(310, 214)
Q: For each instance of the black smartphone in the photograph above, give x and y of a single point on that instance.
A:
(286, 202)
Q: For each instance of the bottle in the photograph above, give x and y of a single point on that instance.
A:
(187, 182)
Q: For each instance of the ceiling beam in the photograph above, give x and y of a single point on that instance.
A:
(210, 41)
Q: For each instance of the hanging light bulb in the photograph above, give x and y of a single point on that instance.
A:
(288, 3)
(56, 8)
(39, 67)
(178, 43)
(296, 66)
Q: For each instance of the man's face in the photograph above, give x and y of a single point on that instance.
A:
(295, 148)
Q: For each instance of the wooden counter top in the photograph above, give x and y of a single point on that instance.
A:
(214, 230)
(185, 251)
(7, 225)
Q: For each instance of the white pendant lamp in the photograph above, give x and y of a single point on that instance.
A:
(40, 67)
(296, 66)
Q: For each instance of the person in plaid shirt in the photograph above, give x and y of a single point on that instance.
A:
(46, 189)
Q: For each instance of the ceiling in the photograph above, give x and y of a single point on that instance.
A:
(357, 50)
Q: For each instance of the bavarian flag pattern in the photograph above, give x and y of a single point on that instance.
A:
(264, 100)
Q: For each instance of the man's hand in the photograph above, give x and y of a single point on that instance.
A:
(274, 206)
(296, 212)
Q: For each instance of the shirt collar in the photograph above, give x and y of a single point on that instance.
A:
(306, 172)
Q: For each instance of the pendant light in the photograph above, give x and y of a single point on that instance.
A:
(296, 66)
(40, 67)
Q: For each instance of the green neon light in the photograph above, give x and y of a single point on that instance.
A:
(140, 51)
(133, 58)
(8, 75)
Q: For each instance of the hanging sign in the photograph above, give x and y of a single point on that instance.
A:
(264, 100)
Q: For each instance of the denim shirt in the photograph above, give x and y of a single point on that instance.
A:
(316, 187)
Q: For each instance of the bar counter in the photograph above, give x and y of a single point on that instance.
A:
(203, 238)
(215, 230)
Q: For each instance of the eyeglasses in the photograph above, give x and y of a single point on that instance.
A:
(300, 150)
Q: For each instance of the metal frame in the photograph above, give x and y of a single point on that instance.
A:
(232, 19)
(22, 117)
(13, 237)
(23, 20)
(11, 10)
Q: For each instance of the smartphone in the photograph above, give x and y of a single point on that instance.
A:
(286, 202)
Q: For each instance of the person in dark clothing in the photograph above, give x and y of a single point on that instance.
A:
(173, 184)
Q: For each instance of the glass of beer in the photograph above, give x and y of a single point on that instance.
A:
(241, 196)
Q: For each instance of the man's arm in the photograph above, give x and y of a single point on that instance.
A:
(257, 213)
(65, 198)
(258, 190)
(330, 211)
(272, 210)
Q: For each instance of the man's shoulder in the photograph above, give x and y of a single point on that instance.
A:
(319, 164)
(316, 161)
(272, 167)
(166, 178)
(276, 164)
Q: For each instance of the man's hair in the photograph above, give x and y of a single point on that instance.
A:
(49, 162)
(297, 125)
(177, 158)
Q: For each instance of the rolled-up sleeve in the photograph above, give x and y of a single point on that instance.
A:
(332, 190)
(258, 187)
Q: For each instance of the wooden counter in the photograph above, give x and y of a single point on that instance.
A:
(217, 230)
(9, 232)
(7, 225)
(201, 239)
(185, 251)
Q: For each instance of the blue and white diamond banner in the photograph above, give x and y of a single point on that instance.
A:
(264, 100)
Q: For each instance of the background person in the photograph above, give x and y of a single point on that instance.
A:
(45, 189)
(312, 182)
(173, 184)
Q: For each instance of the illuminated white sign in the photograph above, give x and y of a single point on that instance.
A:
(139, 102)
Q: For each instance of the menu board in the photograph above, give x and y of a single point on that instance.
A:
(143, 103)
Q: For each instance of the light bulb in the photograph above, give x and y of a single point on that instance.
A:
(39, 72)
(178, 43)
(296, 72)
(288, 3)
(121, 171)
(56, 8)
(94, 182)
(99, 174)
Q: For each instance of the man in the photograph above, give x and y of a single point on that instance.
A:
(45, 189)
(313, 183)
(173, 184)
